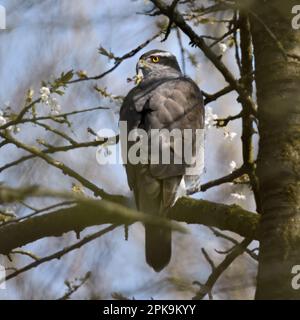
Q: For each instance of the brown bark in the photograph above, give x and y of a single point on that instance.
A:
(77, 218)
(278, 166)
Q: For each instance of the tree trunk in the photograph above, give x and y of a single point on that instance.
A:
(278, 166)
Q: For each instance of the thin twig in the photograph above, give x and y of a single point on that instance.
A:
(57, 164)
(196, 40)
(217, 233)
(57, 132)
(52, 149)
(226, 179)
(218, 271)
(26, 253)
(74, 287)
(36, 212)
(223, 122)
(171, 11)
(208, 259)
(118, 61)
(60, 253)
(182, 50)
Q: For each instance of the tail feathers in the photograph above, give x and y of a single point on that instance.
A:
(157, 239)
(158, 247)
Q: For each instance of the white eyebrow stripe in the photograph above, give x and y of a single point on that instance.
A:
(163, 54)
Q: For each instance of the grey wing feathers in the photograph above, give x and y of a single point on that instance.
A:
(174, 104)
(165, 104)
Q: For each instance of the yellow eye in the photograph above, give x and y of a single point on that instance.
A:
(155, 59)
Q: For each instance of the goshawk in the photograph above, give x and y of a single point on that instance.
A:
(166, 99)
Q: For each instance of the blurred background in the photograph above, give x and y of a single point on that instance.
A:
(44, 38)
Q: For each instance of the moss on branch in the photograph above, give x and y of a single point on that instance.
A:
(81, 216)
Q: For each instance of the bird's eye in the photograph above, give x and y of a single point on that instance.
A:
(155, 59)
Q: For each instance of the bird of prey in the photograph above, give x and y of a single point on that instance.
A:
(163, 98)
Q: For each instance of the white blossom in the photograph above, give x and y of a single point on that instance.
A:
(54, 105)
(45, 91)
(223, 47)
(232, 165)
(45, 94)
(238, 196)
(45, 98)
(229, 135)
(210, 117)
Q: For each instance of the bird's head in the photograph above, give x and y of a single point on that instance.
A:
(156, 63)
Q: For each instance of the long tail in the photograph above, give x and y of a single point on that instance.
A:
(158, 246)
(157, 239)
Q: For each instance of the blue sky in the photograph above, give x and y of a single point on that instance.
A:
(44, 38)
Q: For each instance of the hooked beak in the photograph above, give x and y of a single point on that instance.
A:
(140, 67)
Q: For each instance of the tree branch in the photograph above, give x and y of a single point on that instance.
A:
(59, 165)
(97, 212)
(196, 40)
(214, 183)
(218, 271)
(118, 61)
(60, 253)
